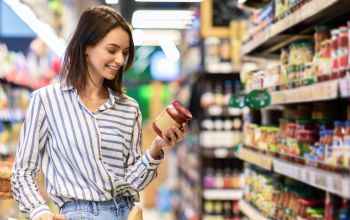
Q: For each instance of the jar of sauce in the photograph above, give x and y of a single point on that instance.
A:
(174, 114)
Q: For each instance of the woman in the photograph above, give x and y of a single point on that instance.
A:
(86, 133)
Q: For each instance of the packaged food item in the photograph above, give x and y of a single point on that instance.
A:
(334, 54)
(305, 138)
(343, 51)
(321, 34)
(174, 114)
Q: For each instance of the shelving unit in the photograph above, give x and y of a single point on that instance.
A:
(322, 91)
(222, 194)
(251, 211)
(298, 22)
(328, 181)
(255, 158)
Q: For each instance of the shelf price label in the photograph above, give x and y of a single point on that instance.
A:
(258, 99)
(237, 101)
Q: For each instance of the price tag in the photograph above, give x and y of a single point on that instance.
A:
(312, 177)
(330, 183)
(303, 175)
(345, 187)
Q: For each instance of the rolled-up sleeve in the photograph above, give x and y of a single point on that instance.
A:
(141, 169)
(28, 159)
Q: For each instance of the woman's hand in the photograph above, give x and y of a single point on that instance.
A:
(172, 136)
(50, 216)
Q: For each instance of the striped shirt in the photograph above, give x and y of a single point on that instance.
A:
(84, 155)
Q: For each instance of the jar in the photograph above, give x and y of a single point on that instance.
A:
(321, 34)
(291, 141)
(306, 124)
(334, 54)
(343, 49)
(175, 114)
(346, 161)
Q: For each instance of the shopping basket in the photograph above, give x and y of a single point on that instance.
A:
(5, 180)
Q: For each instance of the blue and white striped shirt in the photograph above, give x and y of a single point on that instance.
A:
(84, 155)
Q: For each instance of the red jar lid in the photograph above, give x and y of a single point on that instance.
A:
(182, 110)
(306, 132)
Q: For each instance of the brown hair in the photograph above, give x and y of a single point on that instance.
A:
(94, 24)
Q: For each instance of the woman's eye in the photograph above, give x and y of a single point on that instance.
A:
(111, 51)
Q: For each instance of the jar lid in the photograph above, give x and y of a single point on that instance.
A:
(307, 132)
(348, 123)
(182, 109)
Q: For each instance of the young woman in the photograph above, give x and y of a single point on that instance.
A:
(85, 133)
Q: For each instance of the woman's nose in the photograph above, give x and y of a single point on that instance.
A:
(119, 58)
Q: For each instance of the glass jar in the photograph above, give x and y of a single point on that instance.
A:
(174, 114)
(334, 54)
(291, 141)
(343, 50)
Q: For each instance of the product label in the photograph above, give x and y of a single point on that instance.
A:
(164, 121)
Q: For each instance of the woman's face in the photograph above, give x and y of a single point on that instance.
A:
(105, 59)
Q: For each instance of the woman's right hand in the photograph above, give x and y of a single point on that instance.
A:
(50, 216)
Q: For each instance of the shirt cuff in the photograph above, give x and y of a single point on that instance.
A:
(150, 162)
(40, 210)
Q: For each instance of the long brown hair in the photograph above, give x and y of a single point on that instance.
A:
(94, 24)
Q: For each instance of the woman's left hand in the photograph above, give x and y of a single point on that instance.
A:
(172, 136)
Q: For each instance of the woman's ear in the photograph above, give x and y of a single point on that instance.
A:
(87, 50)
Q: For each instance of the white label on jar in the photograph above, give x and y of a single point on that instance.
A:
(164, 121)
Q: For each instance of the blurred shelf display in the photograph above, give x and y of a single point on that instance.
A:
(218, 152)
(329, 181)
(296, 19)
(328, 90)
(222, 194)
(255, 158)
(251, 211)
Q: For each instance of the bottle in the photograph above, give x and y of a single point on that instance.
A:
(346, 161)
(207, 97)
(338, 142)
(334, 53)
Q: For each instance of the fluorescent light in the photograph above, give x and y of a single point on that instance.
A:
(168, 0)
(147, 37)
(170, 50)
(162, 19)
(111, 2)
(43, 30)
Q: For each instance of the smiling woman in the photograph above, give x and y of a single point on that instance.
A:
(86, 132)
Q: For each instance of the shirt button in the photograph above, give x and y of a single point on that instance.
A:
(109, 178)
(97, 136)
(100, 158)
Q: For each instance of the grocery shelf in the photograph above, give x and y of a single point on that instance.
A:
(316, 92)
(311, 13)
(218, 152)
(328, 181)
(321, 91)
(250, 211)
(255, 158)
(222, 194)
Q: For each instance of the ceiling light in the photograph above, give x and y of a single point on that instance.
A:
(43, 30)
(162, 19)
(168, 0)
(170, 50)
(146, 37)
(111, 2)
